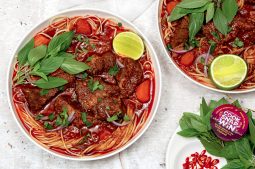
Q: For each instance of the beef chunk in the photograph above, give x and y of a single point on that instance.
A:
(111, 105)
(63, 102)
(241, 23)
(96, 65)
(88, 98)
(250, 2)
(211, 32)
(35, 100)
(109, 60)
(100, 64)
(129, 76)
(181, 33)
(61, 74)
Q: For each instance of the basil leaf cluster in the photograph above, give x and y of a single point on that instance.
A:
(222, 12)
(43, 60)
(239, 154)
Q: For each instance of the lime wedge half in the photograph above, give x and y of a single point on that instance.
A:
(228, 71)
(128, 44)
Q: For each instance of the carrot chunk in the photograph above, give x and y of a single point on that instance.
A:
(83, 27)
(143, 91)
(187, 59)
(41, 40)
(170, 6)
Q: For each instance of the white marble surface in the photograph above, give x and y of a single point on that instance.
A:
(178, 95)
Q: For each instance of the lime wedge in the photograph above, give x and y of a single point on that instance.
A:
(228, 71)
(128, 44)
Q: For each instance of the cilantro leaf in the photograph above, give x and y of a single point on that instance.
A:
(237, 43)
(94, 85)
(113, 71)
(112, 118)
(84, 119)
(126, 118)
(47, 126)
(51, 116)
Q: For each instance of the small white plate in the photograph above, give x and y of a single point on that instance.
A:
(180, 147)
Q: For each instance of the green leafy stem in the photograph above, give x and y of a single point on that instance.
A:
(239, 154)
(222, 12)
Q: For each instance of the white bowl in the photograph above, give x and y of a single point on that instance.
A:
(82, 12)
(160, 2)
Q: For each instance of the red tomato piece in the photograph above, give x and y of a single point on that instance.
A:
(143, 91)
(41, 40)
(83, 27)
(170, 6)
(187, 59)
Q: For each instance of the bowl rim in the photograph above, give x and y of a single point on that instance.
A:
(159, 5)
(157, 70)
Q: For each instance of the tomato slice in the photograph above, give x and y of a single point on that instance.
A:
(83, 27)
(41, 40)
(170, 6)
(143, 91)
(187, 59)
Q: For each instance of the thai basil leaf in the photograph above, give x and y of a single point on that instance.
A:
(190, 132)
(252, 130)
(36, 67)
(190, 120)
(66, 55)
(73, 66)
(243, 148)
(176, 14)
(51, 64)
(213, 104)
(51, 83)
(234, 164)
(229, 151)
(36, 54)
(210, 12)
(192, 3)
(229, 9)
(212, 147)
(23, 53)
(204, 109)
(195, 10)
(40, 74)
(237, 104)
(220, 22)
(60, 43)
(195, 24)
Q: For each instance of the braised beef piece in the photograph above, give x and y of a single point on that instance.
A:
(35, 100)
(100, 47)
(61, 74)
(250, 2)
(210, 32)
(63, 102)
(111, 105)
(242, 27)
(100, 64)
(181, 33)
(108, 78)
(129, 76)
(88, 98)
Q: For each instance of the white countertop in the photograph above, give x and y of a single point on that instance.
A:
(178, 94)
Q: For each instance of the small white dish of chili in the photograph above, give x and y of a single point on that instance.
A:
(188, 153)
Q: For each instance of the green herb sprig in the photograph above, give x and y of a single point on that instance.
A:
(43, 60)
(222, 12)
(239, 154)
